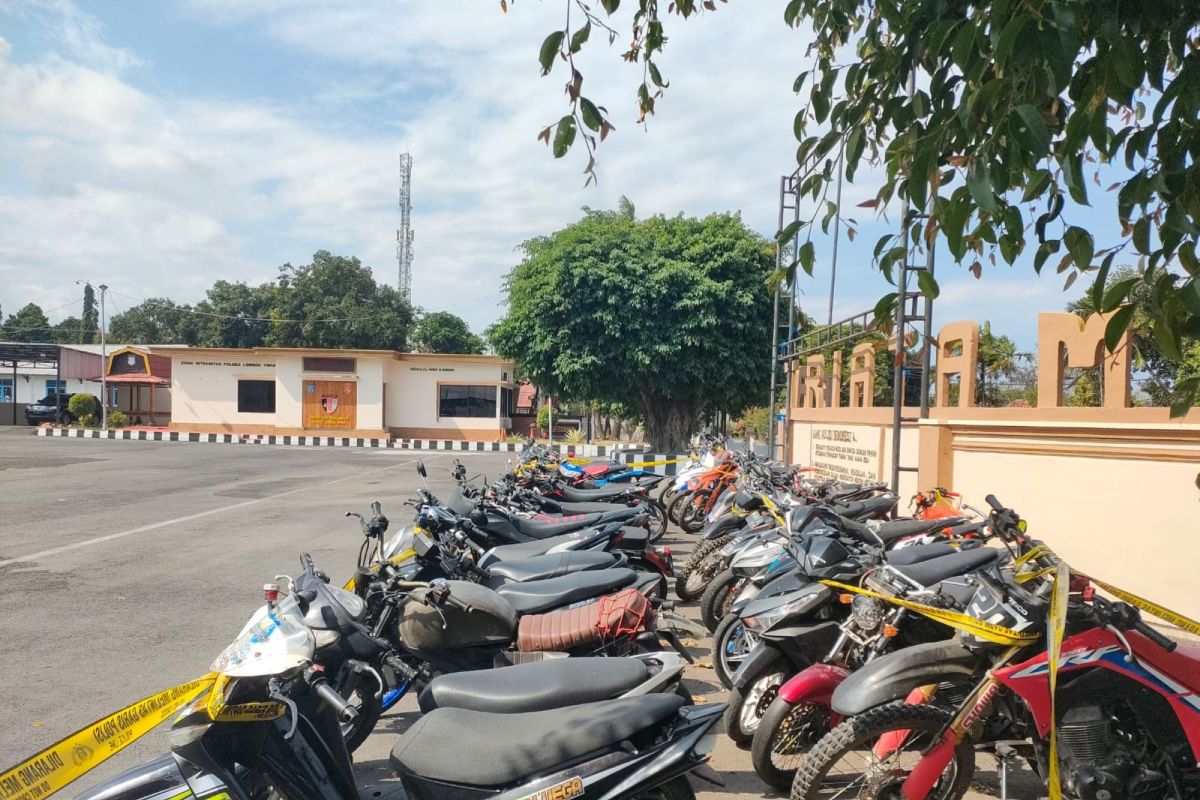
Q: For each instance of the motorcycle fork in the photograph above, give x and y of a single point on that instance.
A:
(934, 760)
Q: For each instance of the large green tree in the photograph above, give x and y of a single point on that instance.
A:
(667, 315)
(29, 324)
(986, 116)
(89, 326)
(335, 302)
(443, 332)
(157, 321)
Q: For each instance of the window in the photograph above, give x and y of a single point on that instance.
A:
(55, 387)
(256, 397)
(506, 402)
(467, 401)
(329, 365)
(6, 390)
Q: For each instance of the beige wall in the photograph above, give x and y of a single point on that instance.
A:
(412, 395)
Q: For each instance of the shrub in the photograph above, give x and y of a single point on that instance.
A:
(87, 421)
(543, 418)
(117, 419)
(514, 438)
(575, 436)
(83, 406)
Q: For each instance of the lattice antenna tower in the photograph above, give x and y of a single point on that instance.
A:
(404, 234)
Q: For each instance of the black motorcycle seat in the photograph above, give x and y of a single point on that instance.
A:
(538, 547)
(554, 683)
(633, 539)
(574, 494)
(621, 514)
(552, 565)
(475, 748)
(536, 597)
(927, 573)
(589, 508)
(865, 509)
(916, 553)
(899, 528)
(543, 528)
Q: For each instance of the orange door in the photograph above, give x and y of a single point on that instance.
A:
(330, 405)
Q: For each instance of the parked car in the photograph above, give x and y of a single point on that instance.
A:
(48, 409)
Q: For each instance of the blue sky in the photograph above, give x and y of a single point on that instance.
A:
(159, 146)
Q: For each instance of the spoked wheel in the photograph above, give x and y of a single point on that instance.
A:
(688, 587)
(785, 734)
(698, 579)
(658, 521)
(848, 762)
(677, 506)
(718, 598)
(732, 642)
(747, 706)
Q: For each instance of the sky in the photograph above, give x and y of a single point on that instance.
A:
(157, 146)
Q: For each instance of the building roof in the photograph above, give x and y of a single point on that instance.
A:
(181, 349)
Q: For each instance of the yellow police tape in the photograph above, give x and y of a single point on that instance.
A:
(69, 758)
(964, 622)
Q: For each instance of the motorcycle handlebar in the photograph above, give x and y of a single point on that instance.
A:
(993, 502)
(376, 509)
(345, 712)
(453, 601)
(1153, 635)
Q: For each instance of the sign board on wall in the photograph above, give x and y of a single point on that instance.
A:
(330, 405)
(847, 452)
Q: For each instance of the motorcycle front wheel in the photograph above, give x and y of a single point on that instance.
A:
(785, 734)
(731, 644)
(844, 764)
(747, 706)
(719, 597)
(677, 788)
(658, 522)
(363, 695)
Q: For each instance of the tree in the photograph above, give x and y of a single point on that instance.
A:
(157, 321)
(443, 332)
(669, 316)
(67, 331)
(997, 358)
(29, 324)
(1017, 103)
(89, 329)
(335, 302)
(236, 314)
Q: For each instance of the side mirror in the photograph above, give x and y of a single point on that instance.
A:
(479, 517)
(421, 469)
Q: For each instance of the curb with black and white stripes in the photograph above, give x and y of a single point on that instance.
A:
(622, 454)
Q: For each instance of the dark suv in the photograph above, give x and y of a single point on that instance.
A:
(47, 409)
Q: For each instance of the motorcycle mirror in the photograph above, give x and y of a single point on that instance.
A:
(479, 517)
(421, 469)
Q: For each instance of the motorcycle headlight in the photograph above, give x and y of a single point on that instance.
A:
(760, 622)
(867, 612)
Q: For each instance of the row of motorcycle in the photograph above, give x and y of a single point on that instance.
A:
(866, 656)
(873, 657)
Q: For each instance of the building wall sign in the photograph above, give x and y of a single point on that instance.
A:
(330, 405)
(186, 363)
(432, 369)
(846, 452)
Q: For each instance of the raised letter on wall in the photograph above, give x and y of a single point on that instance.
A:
(1084, 344)
(835, 391)
(862, 375)
(814, 382)
(964, 365)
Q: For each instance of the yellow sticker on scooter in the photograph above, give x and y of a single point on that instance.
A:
(568, 789)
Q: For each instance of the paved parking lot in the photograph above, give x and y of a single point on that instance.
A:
(125, 567)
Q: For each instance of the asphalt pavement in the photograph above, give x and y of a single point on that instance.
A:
(126, 567)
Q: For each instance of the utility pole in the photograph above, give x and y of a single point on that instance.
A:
(103, 362)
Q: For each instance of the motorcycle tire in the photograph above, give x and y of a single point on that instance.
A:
(718, 597)
(729, 641)
(667, 494)
(785, 734)
(657, 524)
(639, 564)
(692, 517)
(747, 705)
(677, 506)
(363, 695)
(703, 549)
(861, 732)
(678, 788)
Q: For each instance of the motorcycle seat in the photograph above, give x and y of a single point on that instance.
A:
(535, 597)
(865, 509)
(916, 553)
(476, 748)
(574, 494)
(552, 565)
(633, 539)
(927, 573)
(538, 547)
(589, 508)
(554, 683)
(542, 529)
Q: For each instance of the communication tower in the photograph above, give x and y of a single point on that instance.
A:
(404, 234)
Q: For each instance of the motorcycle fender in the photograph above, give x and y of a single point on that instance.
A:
(814, 684)
(761, 659)
(893, 676)
(158, 778)
(804, 644)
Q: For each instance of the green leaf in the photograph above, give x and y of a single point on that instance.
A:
(928, 284)
(798, 84)
(820, 104)
(789, 231)
(1168, 339)
(1116, 294)
(1080, 245)
(1129, 63)
(1183, 398)
(591, 114)
(1117, 325)
(979, 181)
(655, 75)
(791, 12)
(564, 136)
(1037, 185)
(551, 46)
(1097, 290)
(1073, 176)
(807, 257)
(1141, 235)
(1031, 130)
(854, 150)
(610, 5)
(885, 307)
(580, 37)
(1008, 36)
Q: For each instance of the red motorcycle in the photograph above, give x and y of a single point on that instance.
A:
(1123, 722)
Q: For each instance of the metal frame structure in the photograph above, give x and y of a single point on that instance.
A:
(404, 234)
(18, 354)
